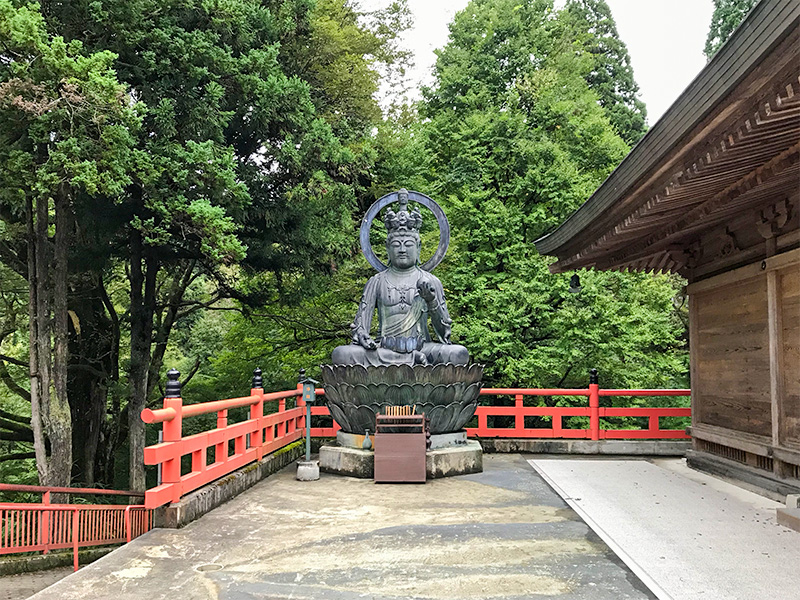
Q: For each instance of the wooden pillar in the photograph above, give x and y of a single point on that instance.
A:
(768, 224)
(774, 315)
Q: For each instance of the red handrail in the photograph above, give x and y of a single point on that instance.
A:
(252, 439)
(44, 489)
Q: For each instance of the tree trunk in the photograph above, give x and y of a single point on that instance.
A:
(50, 413)
(60, 421)
(36, 322)
(93, 347)
(143, 290)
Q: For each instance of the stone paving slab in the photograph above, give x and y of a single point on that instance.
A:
(688, 535)
(500, 534)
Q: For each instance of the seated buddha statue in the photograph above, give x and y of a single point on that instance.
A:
(406, 298)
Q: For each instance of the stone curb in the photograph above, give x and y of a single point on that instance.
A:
(14, 565)
(609, 447)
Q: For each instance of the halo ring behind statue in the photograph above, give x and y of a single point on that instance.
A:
(378, 205)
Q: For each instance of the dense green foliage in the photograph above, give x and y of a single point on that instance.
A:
(518, 141)
(215, 203)
(727, 16)
(591, 28)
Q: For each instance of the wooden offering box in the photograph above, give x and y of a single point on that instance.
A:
(400, 449)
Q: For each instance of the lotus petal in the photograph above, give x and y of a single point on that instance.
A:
(452, 411)
(401, 395)
(358, 374)
(364, 417)
(334, 394)
(362, 395)
(449, 395)
(422, 373)
(471, 393)
(340, 417)
(377, 374)
(438, 418)
(464, 416)
(327, 374)
(382, 392)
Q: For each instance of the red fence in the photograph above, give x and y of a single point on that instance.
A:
(260, 434)
(26, 527)
(252, 439)
(593, 411)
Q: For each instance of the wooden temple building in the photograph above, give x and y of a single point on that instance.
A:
(712, 192)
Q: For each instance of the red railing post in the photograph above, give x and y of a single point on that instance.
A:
(173, 431)
(44, 524)
(652, 423)
(222, 419)
(519, 418)
(594, 405)
(75, 539)
(128, 536)
(257, 412)
(300, 402)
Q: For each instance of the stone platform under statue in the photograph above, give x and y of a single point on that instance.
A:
(456, 459)
(404, 365)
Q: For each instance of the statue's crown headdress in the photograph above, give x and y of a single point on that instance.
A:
(402, 220)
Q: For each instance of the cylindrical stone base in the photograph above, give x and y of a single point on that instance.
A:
(307, 470)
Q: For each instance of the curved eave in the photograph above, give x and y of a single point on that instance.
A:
(767, 25)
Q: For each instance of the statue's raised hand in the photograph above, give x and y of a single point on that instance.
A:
(426, 288)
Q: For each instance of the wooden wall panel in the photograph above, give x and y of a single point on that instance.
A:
(731, 381)
(789, 286)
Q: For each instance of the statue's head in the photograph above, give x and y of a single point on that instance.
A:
(402, 234)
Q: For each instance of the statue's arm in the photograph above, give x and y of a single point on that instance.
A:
(432, 291)
(363, 319)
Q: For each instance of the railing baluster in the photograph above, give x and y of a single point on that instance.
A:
(519, 418)
(653, 423)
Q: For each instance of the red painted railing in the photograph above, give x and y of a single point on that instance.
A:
(593, 411)
(252, 439)
(26, 527)
(262, 434)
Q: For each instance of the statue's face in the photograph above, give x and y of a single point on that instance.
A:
(403, 250)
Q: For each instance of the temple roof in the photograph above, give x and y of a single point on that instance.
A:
(730, 144)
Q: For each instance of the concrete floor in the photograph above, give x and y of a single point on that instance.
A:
(688, 535)
(501, 534)
(23, 585)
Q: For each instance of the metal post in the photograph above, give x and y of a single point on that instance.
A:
(307, 470)
(308, 431)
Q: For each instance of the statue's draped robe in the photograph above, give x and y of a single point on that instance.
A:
(412, 323)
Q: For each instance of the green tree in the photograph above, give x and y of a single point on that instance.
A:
(727, 16)
(237, 158)
(517, 142)
(253, 149)
(590, 26)
(67, 128)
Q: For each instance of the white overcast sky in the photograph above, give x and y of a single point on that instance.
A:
(665, 40)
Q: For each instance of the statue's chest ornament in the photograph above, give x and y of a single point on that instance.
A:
(399, 294)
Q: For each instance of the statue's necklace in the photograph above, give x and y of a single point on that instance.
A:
(406, 292)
